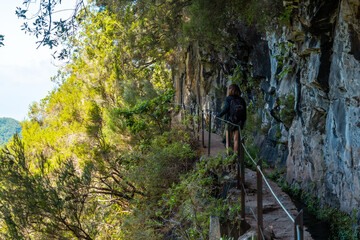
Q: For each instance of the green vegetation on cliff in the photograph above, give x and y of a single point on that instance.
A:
(8, 127)
(101, 147)
(100, 157)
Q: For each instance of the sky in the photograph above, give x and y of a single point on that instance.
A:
(25, 71)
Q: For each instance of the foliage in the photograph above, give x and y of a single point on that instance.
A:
(209, 20)
(36, 203)
(73, 153)
(342, 225)
(248, 85)
(159, 21)
(98, 155)
(188, 205)
(285, 16)
(45, 25)
(284, 52)
(158, 166)
(118, 87)
(148, 117)
(1, 40)
(286, 109)
(8, 127)
(164, 24)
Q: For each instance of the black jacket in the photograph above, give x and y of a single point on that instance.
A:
(226, 109)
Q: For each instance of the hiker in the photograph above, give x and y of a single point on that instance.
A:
(235, 112)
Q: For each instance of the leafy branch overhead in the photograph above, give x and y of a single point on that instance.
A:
(1, 40)
(44, 24)
(164, 23)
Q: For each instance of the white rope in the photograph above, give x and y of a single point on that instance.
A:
(252, 210)
(262, 234)
(298, 232)
(267, 183)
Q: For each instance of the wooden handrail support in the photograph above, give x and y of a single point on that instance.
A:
(259, 201)
(299, 226)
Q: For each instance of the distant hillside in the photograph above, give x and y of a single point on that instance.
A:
(8, 127)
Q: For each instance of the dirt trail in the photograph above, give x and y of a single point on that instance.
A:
(276, 221)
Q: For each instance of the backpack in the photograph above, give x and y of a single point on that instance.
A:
(237, 113)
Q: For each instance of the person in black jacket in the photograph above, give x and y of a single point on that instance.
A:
(235, 112)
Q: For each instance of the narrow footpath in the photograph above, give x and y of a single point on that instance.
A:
(276, 222)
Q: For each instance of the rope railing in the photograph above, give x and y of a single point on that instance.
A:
(277, 199)
(267, 183)
(298, 221)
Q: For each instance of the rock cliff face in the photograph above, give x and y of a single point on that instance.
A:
(323, 140)
(309, 75)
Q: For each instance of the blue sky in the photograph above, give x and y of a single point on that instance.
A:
(25, 71)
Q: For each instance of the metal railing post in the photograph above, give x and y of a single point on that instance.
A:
(299, 226)
(209, 148)
(259, 201)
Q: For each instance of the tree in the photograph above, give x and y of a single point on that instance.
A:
(97, 150)
(69, 133)
(41, 205)
(1, 40)
(43, 23)
(164, 24)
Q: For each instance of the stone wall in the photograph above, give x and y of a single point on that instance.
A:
(314, 66)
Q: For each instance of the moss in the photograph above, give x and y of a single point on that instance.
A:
(278, 132)
(284, 50)
(287, 113)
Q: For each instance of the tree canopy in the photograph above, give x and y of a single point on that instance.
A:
(164, 23)
(75, 172)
